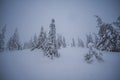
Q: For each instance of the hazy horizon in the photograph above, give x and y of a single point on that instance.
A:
(73, 18)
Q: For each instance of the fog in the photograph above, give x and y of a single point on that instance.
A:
(73, 18)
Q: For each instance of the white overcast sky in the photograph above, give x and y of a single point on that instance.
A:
(73, 17)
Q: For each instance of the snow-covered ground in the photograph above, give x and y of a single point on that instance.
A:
(33, 65)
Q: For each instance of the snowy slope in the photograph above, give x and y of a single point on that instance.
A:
(33, 65)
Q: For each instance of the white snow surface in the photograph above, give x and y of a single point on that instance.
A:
(33, 65)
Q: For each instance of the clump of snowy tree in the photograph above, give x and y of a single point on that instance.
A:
(95, 40)
(47, 43)
(64, 42)
(14, 43)
(108, 35)
(89, 39)
(93, 54)
(107, 39)
(39, 42)
(35, 41)
(42, 38)
(61, 42)
(2, 37)
(73, 44)
(80, 43)
(116, 36)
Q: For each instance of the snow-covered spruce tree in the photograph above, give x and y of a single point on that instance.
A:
(73, 43)
(80, 43)
(108, 36)
(35, 41)
(50, 47)
(14, 43)
(42, 38)
(95, 40)
(89, 39)
(61, 42)
(64, 42)
(116, 25)
(40, 42)
(2, 37)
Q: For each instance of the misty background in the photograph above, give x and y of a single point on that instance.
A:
(73, 18)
